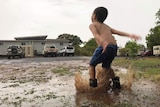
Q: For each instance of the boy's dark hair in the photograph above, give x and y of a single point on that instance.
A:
(101, 13)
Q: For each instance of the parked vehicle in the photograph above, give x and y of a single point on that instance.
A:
(147, 53)
(15, 50)
(50, 50)
(156, 50)
(66, 51)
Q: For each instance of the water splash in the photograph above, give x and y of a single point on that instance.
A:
(103, 77)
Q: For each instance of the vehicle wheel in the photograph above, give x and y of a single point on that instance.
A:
(9, 57)
(64, 54)
(20, 56)
(45, 55)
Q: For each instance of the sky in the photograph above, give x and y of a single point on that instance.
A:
(20, 18)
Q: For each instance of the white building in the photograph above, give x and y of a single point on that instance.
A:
(33, 44)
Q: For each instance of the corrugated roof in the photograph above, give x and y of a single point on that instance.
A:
(58, 40)
(49, 40)
(35, 38)
(43, 37)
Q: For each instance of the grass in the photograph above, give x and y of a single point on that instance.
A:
(62, 71)
(49, 96)
(147, 67)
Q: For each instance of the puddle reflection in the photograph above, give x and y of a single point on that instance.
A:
(98, 99)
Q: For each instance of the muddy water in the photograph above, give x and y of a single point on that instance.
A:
(134, 93)
(35, 85)
(103, 94)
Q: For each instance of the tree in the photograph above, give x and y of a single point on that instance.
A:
(89, 47)
(153, 38)
(132, 48)
(123, 51)
(75, 40)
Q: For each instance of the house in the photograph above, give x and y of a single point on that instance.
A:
(33, 45)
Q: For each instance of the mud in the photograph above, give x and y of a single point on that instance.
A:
(37, 85)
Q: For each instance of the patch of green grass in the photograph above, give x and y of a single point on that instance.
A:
(62, 71)
(149, 67)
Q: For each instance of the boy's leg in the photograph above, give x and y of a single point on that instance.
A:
(116, 82)
(115, 79)
(96, 58)
(111, 73)
(92, 72)
(92, 80)
(109, 57)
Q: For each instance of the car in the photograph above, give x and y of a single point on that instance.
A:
(147, 53)
(15, 50)
(50, 50)
(66, 51)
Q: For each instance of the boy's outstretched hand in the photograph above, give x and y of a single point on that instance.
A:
(135, 37)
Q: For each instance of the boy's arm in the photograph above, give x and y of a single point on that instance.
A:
(121, 33)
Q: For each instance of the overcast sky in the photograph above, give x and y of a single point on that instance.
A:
(20, 18)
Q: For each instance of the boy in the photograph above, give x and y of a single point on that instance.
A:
(107, 47)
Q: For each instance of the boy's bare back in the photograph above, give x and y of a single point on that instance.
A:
(104, 32)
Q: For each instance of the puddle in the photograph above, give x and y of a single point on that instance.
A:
(35, 85)
(134, 93)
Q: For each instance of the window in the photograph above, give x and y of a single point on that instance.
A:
(1, 43)
(43, 43)
(23, 43)
(61, 43)
(156, 48)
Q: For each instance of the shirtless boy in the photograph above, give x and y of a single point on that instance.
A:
(107, 46)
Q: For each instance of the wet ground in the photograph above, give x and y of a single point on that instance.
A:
(51, 84)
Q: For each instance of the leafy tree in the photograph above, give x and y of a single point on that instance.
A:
(75, 40)
(89, 47)
(132, 48)
(77, 50)
(123, 52)
(153, 38)
(141, 47)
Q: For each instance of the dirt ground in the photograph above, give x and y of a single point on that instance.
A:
(40, 84)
